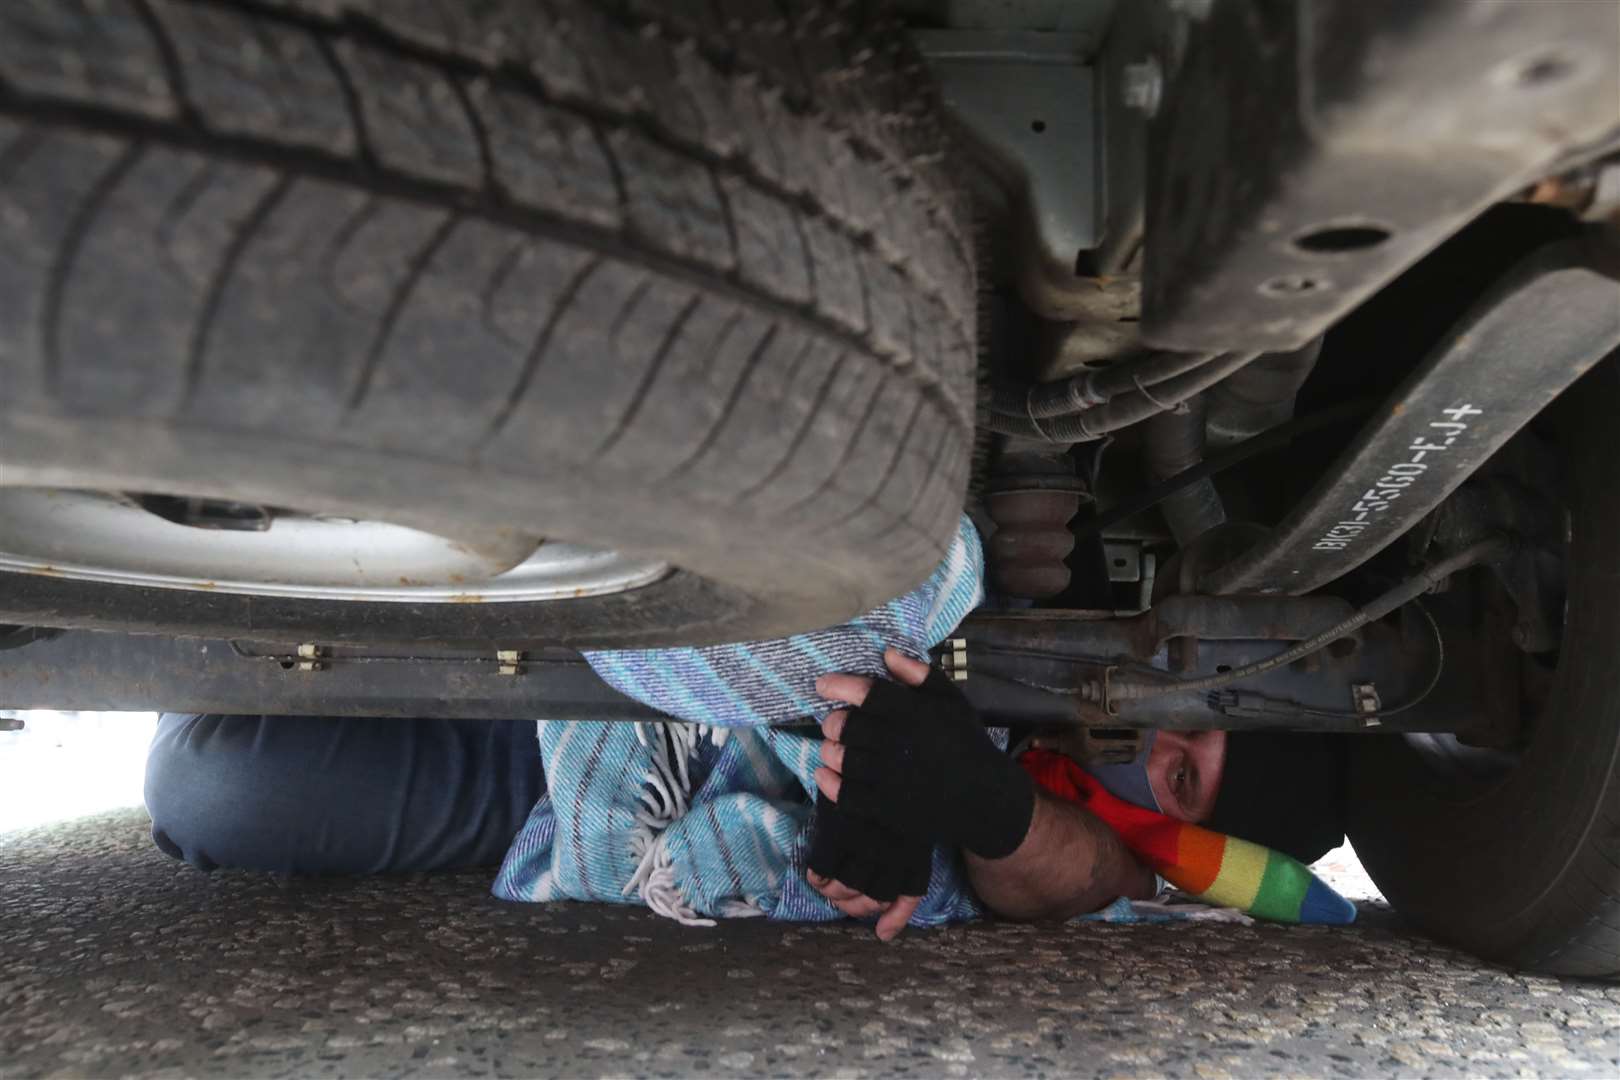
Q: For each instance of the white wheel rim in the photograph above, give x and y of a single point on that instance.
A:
(94, 536)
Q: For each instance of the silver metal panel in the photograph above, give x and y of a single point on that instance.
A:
(1029, 100)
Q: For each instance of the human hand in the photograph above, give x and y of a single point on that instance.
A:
(866, 869)
(914, 757)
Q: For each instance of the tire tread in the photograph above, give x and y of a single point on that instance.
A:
(779, 161)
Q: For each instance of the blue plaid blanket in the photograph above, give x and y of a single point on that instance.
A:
(711, 818)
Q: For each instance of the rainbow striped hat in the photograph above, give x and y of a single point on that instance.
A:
(1215, 868)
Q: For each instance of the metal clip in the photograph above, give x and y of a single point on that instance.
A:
(511, 661)
(953, 659)
(1365, 701)
(310, 658)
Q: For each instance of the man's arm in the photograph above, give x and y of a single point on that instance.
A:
(915, 758)
(1070, 863)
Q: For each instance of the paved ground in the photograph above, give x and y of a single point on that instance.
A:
(116, 960)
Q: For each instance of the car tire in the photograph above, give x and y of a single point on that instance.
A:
(691, 285)
(1524, 867)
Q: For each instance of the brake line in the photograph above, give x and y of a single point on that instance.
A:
(1290, 706)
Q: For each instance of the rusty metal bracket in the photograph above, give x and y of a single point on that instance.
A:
(1098, 636)
(1046, 668)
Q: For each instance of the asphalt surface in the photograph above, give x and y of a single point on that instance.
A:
(115, 960)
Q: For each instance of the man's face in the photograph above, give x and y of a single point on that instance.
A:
(1184, 768)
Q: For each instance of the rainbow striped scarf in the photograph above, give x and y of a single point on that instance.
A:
(1213, 867)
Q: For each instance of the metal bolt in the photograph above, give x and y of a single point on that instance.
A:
(1143, 86)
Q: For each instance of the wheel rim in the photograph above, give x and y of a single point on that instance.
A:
(120, 540)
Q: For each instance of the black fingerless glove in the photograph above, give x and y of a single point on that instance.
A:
(918, 761)
(868, 856)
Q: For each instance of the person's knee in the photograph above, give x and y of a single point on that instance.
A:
(201, 791)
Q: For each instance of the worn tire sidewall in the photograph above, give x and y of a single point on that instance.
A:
(1492, 873)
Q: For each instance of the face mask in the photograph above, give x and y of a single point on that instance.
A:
(1129, 781)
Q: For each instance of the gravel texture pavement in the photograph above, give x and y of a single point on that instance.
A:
(115, 960)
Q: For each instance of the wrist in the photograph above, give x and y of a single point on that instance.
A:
(998, 816)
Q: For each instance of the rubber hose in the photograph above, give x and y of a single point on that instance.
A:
(1088, 389)
(1223, 460)
(1259, 397)
(1124, 410)
(1172, 443)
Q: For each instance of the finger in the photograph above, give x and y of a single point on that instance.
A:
(861, 907)
(836, 891)
(866, 795)
(914, 875)
(832, 755)
(851, 689)
(894, 920)
(879, 773)
(833, 726)
(904, 668)
(871, 730)
(828, 783)
(875, 879)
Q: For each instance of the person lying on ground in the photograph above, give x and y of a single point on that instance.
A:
(925, 784)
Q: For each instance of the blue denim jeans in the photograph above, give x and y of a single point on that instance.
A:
(340, 795)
